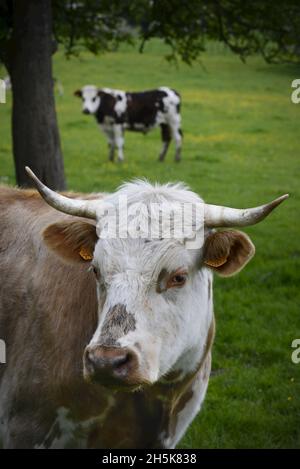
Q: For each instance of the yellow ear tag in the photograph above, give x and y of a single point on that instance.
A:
(85, 254)
(216, 262)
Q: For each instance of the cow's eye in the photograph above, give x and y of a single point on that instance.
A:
(177, 280)
(94, 99)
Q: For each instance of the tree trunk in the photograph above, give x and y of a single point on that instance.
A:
(36, 141)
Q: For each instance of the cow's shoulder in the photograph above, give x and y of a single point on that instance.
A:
(113, 105)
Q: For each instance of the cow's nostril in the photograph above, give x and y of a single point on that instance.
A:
(110, 364)
(122, 364)
(120, 360)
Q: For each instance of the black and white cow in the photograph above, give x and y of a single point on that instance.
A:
(117, 110)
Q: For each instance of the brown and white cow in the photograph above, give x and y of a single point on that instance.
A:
(108, 340)
(118, 110)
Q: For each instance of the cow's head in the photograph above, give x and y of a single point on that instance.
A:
(90, 98)
(154, 295)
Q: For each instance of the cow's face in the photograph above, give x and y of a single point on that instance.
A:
(154, 299)
(90, 99)
(154, 310)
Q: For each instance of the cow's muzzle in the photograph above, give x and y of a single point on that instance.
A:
(85, 111)
(111, 366)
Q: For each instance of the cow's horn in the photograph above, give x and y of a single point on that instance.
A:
(218, 216)
(80, 208)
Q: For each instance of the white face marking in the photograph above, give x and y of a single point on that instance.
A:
(90, 99)
(171, 326)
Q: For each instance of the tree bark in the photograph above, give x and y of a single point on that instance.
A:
(36, 141)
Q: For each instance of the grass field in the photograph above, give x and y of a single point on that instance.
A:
(241, 148)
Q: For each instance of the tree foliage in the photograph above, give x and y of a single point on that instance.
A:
(268, 28)
(271, 29)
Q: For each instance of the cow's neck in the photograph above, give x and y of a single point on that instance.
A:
(176, 394)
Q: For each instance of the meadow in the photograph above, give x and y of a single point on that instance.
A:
(241, 148)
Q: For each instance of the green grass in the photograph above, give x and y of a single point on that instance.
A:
(241, 148)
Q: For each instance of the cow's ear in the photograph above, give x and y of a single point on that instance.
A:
(78, 93)
(74, 241)
(227, 252)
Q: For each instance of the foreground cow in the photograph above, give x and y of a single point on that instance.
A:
(108, 339)
(117, 110)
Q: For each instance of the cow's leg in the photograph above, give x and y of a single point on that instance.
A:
(166, 138)
(119, 140)
(177, 135)
(111, 151)
(109, 133)
(174, 120)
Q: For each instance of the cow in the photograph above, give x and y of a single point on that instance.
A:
(108, 339)
(116, 111)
